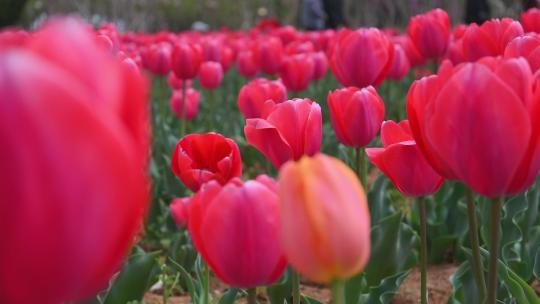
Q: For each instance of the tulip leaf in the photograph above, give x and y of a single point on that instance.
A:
(136, 277)
(379, 203)
(464, 289)
(187, 281)
(384, 293)
(537, 265)
(229, 297)
(393, 249)
(282, 290)
(309, 300)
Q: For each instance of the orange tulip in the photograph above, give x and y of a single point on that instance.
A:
(325, 223)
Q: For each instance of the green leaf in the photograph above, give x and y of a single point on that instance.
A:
(229, 297)
(282, 290)
(384, 293)
(464, 289)
(536, 270)
(187, 279)
(136, 277)
(379, 204)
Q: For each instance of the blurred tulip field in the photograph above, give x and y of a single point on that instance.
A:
(271, 165)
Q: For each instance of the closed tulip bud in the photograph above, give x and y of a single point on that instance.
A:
(288, 131)
(179, 210)
(356, 115)
(400, 64)
(403, 162)
(530, 20)
(157, 59)
(271, 49)
(199, 158)
(478, 123)
(413, 55)
(528, 47)
(489, 39)
(361, 58)
(73, 165)
(253, 96)
(247, 63)
(210, 75)
(297, 72)
(176, 83)
(321, 65)
(235, 228)
(186, 60)
(430, 33)
(325, 224)
(192, 103)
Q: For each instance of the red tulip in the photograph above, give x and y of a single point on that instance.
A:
(290, 130)
(361, 58)
(248, 64)
(179, 210)
(235, 228)
(530, 20)
(297, 71)
(271, 54)
(321, 65)
(216, 50)
(253, 96)
(528, 47)
(400, 64)
(325, 224)
(199, 158)
(157, 59)
(176, 83)
(430, 33)
(479, 123)
(186, 60)
(75, 132)
(299, 47)
(403, 162)
(414, 56)
(356, 115)
(490, 39)
(210, 75)
(192, 105)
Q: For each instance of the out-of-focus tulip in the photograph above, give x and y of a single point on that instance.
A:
(290, 130)
(186, 60)
(299, 47)
(199, 158)
(478, 123)
(192, 103)
(253, 96)
(297, 72)
(179, 210)
(176, 83)
(361, 58)
(235, 228)
(271, 54)
(430, 33)
(528, 47)
(75, 131)
(414, 56)
(530, 20)
(403, 162)
(356, 115)
(489, 39)
(400, 64)
(157, 59)
(248, 64)
(210, 75)
(325, 224)
(321, 65)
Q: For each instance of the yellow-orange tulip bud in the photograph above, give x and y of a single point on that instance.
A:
(325, 224)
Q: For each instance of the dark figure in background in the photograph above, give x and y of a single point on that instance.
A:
(477, 11)
(334, 12)
(10, 11)
(312, 15)
(527, 4)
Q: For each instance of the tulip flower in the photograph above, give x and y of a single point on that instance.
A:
(210, 75)
(403, 162)
(75, 142)
(356, 115)
(253, 96)
(325, 224)
(489, 110)
(199, 158)
(235, 228)
(190, 107)
(297, 71)
(271, 54)
(430, 33)
(400, 64)
(179, 210)
(157, 59)
(530, 20)
(528, 47)
(489, 39)
(290, 130)
(321, 65)
(248, 64)
(176, 83)
(413, 55)
(186, 60)
(361, 58)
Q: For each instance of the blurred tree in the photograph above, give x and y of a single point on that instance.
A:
(11, 11)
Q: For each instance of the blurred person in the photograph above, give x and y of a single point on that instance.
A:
(334, 13)
(477, 11)
(312, 15)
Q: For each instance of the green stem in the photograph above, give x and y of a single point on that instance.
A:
(478, 267)
(495, 231)
(338, 292)
(252, 295)
(361, 167)
(423, 251)
(183, 116)
(295, 287)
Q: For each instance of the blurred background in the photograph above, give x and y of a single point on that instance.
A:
(177, 15)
